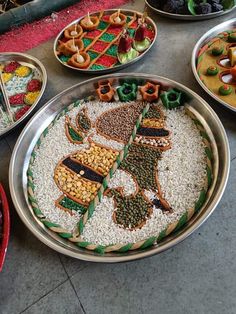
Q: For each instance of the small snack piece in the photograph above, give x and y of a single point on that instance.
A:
(74, 31)
(117, 19)
(232, 37)
(233, 72)
(70, 47)
(172, 99)
(79, 60)
(232, 56)
(217, 50)
(34, 85)
(127, 92)
(141, 42)
(23, 71)
(125, 51)
(31, 97)
(105, 92)
(89, 22)
(225, 90)
(11, 67)
(150, 92)
(212, 70)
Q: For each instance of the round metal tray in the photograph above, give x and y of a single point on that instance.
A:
(115, 68)
(29, 136)
(32, 63)
(231, 24)
(189, 17)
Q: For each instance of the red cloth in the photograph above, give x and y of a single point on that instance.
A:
(31, 35)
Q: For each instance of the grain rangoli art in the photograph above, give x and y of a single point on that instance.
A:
(122, 169)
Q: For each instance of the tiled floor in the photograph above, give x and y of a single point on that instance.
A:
(196, 276)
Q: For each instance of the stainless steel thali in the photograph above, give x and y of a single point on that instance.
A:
(34, 128)
(231, 24)
(33, 63)
(189, 17)
(116, 67)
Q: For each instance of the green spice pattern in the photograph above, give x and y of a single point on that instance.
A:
(102, 25)
(86, 41)
(141, 162)
(64, 58)
(112, 51)
(107, 37)
(72, 205)
(92, 54)
(131, 212)
(74, 135)
(97, 67)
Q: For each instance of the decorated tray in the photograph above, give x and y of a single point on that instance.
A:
(105, 41)
(22, 83)
(190, 9)
(4, 225)
(126, 169)
(214, 63)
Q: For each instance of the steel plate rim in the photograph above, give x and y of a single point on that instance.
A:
(204, 38)
(190, 17)
(44, 83)
(139, 254)
(109, 70)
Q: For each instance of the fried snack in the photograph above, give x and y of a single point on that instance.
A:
(74, 31)
(80, 60)
(70, 47)
(150, 92)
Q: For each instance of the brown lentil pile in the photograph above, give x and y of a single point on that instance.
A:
(74, 185)
(119, 123)
(141, 162)
(130, 212)
(99, 158)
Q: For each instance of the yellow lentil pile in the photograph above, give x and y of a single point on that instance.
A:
(98, 158)
(22, 71)
(76, 186)
(153, 123)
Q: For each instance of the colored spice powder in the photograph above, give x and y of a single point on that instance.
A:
(106, 60)
(23, 71)
(96, 67)
(31, 97)
(112, 51)
(99, 46)
(107, 37)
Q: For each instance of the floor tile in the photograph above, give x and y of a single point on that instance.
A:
(62, 300)
(30, 271)
(72, 265)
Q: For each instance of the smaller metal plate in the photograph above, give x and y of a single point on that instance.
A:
(231, 24)
(33, 63)
(189, 17)
(117, 67)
